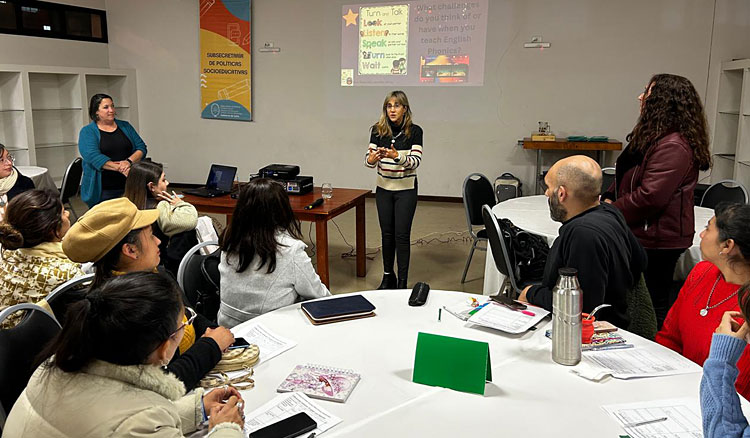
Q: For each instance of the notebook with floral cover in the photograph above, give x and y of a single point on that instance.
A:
(321, 382)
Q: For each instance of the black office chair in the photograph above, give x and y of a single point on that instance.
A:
(727, 190)
(608, 177)
(71, 183)
(19, 348)
(198, 276)
(477, 191)
(504, 261)
(65, 294)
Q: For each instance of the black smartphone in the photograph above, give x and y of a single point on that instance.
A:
(505, 301)
(239, 343)
(293, 426)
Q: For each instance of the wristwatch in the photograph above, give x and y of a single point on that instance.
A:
(129, 161)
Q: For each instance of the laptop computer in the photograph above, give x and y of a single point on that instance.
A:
(219, 182)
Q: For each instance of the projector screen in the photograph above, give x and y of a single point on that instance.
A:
(422, 42)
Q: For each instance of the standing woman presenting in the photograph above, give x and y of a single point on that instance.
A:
(108, 147)
(396, 150)
(656, 175)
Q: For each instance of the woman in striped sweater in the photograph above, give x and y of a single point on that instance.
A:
(396, 150)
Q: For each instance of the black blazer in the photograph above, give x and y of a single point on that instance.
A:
(23, 183)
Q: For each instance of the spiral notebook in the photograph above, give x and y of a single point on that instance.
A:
(321, 382)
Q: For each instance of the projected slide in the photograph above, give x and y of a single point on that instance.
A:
(416, 43)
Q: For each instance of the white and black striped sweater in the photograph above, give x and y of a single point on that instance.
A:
(401, 172)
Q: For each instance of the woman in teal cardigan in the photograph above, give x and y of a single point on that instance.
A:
(108, 147)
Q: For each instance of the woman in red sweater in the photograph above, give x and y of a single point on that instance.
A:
(711, 289)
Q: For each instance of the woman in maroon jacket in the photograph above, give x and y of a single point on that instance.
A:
(656, 176)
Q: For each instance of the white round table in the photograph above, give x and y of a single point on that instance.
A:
(531, 213)
(39, 175)
(526, 385)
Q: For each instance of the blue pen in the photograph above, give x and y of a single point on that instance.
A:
(479, 307)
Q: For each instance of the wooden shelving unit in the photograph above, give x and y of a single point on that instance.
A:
(43, 108)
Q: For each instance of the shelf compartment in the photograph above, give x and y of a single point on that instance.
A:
(11, 91)
(55, 90)
(113, 85)
(62, 144)
(730, 91)
(56, 109)
(13, 129)
(56, 160)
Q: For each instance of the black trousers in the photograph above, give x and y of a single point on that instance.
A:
(395, 214)
(659, 273)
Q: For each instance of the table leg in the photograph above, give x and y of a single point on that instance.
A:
(600, 158)
(361, 241)
(321, 241)
(537, 184)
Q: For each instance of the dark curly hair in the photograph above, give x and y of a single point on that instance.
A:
(672, 106)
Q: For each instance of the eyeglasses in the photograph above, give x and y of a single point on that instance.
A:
(191, 315)
(394, 106)
(9, 158)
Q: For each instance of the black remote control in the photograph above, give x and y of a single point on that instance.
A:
(419, 294)
(315, 203)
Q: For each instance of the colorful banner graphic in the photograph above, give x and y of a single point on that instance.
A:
(422, 42)
(383, 40)
(225, 59)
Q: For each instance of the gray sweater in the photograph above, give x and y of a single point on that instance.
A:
(245, 295)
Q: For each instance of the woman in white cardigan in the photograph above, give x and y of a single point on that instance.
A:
(105, 375)
(146, 187)
(263, 261)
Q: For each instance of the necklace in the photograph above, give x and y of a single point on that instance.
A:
(393, 140)
(704, 311)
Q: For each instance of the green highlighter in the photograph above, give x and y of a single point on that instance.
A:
(454, 363)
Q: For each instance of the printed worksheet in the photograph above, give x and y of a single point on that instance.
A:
(269, 343)
(286, 405)
(640, 362)
(502, 318)
(673, 418)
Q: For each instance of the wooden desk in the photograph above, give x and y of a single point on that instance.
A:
(562, 144)
(343, 200)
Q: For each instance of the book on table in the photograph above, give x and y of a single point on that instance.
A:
(321, 382)
(338, 309)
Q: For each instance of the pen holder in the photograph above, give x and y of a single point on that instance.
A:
(587, 328)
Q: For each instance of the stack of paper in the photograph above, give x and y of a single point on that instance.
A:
(286, 405)
(269, 343)
(499, 317)
(673, 418)
(644, 361)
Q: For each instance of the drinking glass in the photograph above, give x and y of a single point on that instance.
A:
(327, 190)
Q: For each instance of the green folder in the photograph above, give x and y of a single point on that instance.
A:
(453, 363)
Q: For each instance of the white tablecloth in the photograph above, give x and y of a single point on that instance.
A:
(39, 175)
(529, 395)
(531, 213)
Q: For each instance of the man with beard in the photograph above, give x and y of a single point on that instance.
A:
(593, 238)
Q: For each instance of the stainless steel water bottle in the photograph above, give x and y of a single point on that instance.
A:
(567, 302)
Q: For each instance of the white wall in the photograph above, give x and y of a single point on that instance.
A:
(602, 55)
(15, 49)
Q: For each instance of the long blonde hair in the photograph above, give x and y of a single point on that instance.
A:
(383, 128)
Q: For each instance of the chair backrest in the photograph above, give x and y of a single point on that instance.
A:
(67, 293)
(500, 254)
(727, 190)
(71, 180)
(608, 177)
(198, 276)
(19, 348)
(192, 260)
(477, 191)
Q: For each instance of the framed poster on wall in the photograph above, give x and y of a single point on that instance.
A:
(225, 74)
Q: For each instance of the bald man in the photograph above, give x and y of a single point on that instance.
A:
(593, 238)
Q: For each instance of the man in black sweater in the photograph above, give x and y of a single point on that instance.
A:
(593, 238)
